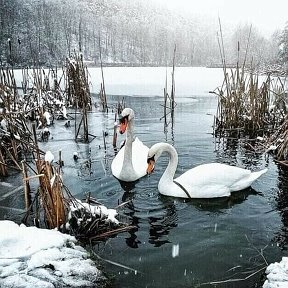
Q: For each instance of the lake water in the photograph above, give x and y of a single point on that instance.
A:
(217, 239)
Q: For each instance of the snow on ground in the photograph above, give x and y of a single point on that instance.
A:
(33, 257)
(277, 274)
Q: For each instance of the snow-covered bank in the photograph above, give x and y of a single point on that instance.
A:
(277, 274)
(33, 257)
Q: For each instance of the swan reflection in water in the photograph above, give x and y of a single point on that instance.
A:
(219, 205)
(161, 225)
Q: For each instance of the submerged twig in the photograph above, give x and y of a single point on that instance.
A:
(116, 264)
(232, 280)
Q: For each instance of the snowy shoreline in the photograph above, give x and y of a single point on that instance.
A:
(34, 257)
(277, 274)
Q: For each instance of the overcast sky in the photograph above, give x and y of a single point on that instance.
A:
(265, 15)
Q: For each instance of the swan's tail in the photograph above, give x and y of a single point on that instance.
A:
(257, 174)
(247, 181)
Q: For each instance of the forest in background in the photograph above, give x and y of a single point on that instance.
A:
(125, 32)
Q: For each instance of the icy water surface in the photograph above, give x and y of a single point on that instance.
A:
(178, 243)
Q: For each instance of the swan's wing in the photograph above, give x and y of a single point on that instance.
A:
(117, 162)
(211, 180)
(139, 157)
(247, 181)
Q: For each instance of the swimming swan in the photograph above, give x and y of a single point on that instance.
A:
(130, 163)
(204, 181)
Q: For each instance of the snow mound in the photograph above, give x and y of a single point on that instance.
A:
(33, 257)
(277, 274)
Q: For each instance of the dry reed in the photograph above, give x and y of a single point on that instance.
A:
(16, 137)
(51, 194)
(243, 106)
(169, 107)
(19, 139)
(79, 94)
(245, 100)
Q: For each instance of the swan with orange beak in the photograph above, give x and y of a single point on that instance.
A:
(211, 180)
(129, 164)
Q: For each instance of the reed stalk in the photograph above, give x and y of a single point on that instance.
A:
(51, 194)
(3, 166)
(79, 93)
(26, 185)
(169, 109)
(242, 105)
(102, 93)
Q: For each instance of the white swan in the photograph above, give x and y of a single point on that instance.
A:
(204, 181)
(130, 163)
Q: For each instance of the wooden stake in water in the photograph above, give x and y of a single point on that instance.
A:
(104, 140)
(60, 159)
(115, 130)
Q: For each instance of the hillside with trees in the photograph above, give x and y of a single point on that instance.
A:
(124, 32)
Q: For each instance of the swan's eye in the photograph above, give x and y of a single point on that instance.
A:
(123, 119)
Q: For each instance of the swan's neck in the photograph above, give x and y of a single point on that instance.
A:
(128, 166)
(169, 173)
(129, 141)
(166, 185)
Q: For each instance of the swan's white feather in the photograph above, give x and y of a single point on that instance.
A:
(216, 180)
(130, 163)
(139, 161)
